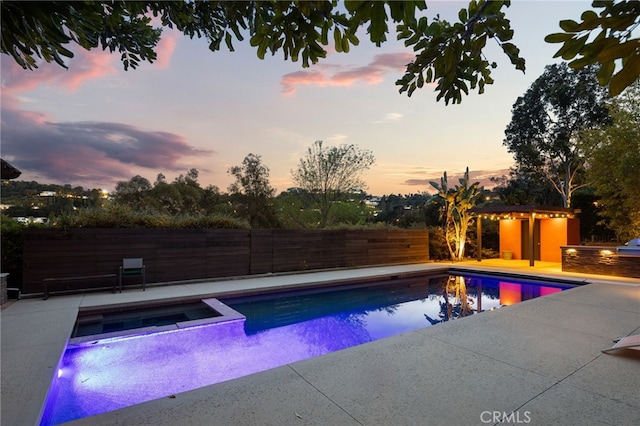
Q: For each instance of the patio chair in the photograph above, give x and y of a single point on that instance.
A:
(132, 267)
(629, 342)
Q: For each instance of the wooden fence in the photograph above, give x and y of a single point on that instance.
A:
(186, 254)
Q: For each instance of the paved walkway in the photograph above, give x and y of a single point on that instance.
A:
(538, 362)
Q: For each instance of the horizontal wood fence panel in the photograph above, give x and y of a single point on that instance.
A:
(185, 254)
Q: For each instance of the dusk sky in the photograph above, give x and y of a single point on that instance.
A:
(96, 124)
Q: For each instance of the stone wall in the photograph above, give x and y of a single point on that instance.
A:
(600, 261)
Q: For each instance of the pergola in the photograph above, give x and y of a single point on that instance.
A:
(530, 213)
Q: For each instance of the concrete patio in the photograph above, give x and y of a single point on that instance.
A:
(538, 362)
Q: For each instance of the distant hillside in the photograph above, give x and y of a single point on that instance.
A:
(41, 199)
(23, 188)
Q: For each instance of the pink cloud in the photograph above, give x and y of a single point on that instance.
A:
(165, 48)
(396, 61)
(98, 153)
(91, 152)
(85, 66)
(321, 76)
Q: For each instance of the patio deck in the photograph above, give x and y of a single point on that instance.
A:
(539, 360)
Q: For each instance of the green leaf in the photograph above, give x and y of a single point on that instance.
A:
(560, 53)
(462, 15)
(580, 63)
(625, 77)
(422, 24)
(337, 37)
(353, 5)
(353, 39)
(569, 25)
(378, 26)
(618, 51)
(588, 15)
(324, 37)
(256, 39)
(262, 49)
(573, 47)
(558, 38)
(345, 45)
(605, 72)
(227, 40)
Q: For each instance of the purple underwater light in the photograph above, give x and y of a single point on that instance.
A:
(107, 372)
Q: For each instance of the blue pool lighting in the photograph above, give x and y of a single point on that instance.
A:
(255, 333)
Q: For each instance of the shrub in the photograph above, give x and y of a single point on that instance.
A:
(120, 216)
(12, 243)
(438, 249)
(212, 222)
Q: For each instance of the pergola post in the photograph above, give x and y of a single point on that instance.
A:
(532, 221)
(479, 237)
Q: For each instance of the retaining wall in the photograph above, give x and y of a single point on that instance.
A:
(599, 260)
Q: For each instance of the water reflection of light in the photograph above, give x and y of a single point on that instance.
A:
(489, 303)
(510, 293)
(544, 291)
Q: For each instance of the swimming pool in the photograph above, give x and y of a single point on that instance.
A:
(269, 330)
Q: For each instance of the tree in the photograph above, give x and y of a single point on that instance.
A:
(253, 191)
(614, 42)
(299, 29)
(327, 173)
(408, 211)
(165, 198)
(613, 154)
(189, 192)
(295, 210)
(456, 216)
(546, 123)
(593, 225)
(351, 212)
(522, 188)
(213, 201)
(132, 192)
(190, 179)
(450, 54)
(183, 196)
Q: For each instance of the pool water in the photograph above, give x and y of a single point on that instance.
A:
(119, 321)
(104, 375)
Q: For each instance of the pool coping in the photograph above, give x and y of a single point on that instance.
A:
(29, 359)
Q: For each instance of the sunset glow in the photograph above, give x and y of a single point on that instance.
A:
(96, 124)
